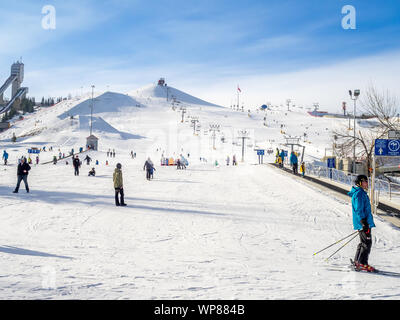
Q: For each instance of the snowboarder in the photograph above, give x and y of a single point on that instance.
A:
(227, 160)
(92, 172)
(76, 163)
(22, 174)
(5, 157)
(118, 186)
(294, 162)
(149, 166)
(37, 159)
(54, 160)
(234, 163)
(362, 221)
(113, 153)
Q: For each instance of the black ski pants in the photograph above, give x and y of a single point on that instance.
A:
(120, 192)
(364, 247)
(25, 179)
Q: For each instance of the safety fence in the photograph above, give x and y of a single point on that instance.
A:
(382, 187)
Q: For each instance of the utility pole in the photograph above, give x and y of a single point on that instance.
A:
(214, 128)
(91, 112)
(243, 134)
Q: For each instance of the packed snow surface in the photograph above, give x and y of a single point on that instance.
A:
(208, 232)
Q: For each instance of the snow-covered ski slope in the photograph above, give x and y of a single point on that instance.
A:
(207, 232)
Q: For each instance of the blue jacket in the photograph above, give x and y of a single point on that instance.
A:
(293, 159)
(282, 155)
(361, 207)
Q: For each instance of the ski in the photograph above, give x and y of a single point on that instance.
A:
(375, 271)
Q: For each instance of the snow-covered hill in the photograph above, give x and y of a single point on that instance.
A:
(207, 232)
(166, 92)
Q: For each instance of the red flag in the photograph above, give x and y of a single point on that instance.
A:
(239, 89)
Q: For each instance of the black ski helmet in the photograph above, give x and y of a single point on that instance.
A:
(119, 166)
(360, 178)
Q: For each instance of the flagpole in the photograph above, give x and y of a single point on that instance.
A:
(238, 90)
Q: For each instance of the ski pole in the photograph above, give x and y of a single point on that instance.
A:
(336, 242)
(341, 247)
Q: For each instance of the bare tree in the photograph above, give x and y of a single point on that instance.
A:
(384, 108)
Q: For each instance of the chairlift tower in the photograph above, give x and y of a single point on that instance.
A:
(243, 134)
(294, 141)
(214, 128)
(183, 110)
(194, 121)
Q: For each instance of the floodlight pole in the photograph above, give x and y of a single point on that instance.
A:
(354, 98)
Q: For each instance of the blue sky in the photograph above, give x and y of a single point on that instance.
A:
(126, 44)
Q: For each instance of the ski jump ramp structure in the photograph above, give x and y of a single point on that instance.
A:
(17, 92)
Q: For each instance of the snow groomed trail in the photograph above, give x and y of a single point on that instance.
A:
(244, 232)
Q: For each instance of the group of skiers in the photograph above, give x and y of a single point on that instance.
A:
(293, 159)
(234, 162)
(111, 153)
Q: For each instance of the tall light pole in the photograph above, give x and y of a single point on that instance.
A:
(91, 112)
(354, 97)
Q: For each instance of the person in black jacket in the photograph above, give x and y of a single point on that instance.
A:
(76, 163)
(22, 173)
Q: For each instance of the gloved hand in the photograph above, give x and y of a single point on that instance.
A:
(365, 225)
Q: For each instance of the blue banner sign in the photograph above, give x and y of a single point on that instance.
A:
(260, 152)
(387, 147)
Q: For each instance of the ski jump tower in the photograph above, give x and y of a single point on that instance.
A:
(17, 92)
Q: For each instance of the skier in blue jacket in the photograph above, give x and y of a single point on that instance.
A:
(5, 157)
(362, 221)
(294, 162)
(282, 155)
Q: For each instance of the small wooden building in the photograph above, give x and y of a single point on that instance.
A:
(92, 142)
